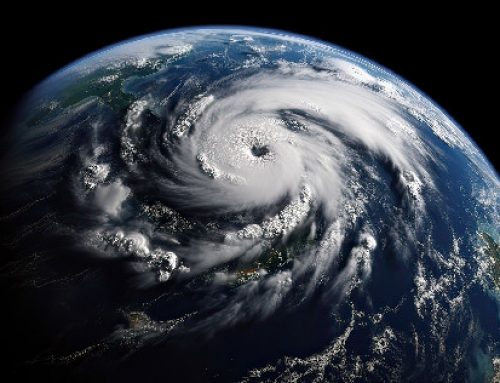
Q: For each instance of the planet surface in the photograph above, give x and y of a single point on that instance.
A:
(247, 205)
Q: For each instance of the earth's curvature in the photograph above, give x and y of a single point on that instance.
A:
(234, 204)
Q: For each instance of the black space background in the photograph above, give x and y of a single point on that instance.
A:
(447, 54)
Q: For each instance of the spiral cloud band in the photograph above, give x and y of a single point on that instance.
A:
(291, 136)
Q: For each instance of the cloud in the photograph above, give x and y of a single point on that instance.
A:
(109, 198)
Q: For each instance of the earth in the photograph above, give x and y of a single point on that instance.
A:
(247, 205)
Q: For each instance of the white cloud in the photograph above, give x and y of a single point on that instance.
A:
(109, 198)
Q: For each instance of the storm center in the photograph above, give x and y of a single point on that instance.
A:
(259, 151)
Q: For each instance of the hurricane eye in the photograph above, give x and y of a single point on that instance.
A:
(259, 151)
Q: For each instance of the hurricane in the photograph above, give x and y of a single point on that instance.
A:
(247, 205)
